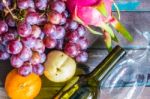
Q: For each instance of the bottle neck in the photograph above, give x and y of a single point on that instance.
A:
(107, 64)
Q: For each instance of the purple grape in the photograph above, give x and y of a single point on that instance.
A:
(42, 35)
(23, 4)
(29, 42)
(39, 47)
(9, 37)
(60, 43)
(35, 59)
(24, 29)
(66, 14)
(72, 25)
(43, 57)
(32, 18)
(41, 4)
(58, 6)
(54, 17)
(30, 10)
(4, 55)
(36, 31)
(14, 47)
(38, 69)
(1, 40)
(50, 42)
(1, 6)
(42, 20)
(71, 49)
(31, 4)
(10, 21)
(50, 30)
(81, 30)
(83, 43)
(82, 57)
(60, 32)
(25, 69)
(3, 27)
(25, 54)
(73, 37)
(15, 61)
(63, 20)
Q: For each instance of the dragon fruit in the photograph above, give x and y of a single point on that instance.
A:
(98, 13)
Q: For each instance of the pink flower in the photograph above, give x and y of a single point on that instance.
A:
(87, 10)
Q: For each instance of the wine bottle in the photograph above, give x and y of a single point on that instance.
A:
(86, 86)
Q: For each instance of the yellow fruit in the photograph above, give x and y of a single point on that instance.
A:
(59, 67)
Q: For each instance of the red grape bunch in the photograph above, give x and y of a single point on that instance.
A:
(33, 26)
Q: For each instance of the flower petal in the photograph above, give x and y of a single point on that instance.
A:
(89, 15)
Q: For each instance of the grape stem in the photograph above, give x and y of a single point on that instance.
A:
(9, 10)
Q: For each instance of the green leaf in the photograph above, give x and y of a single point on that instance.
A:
(107, 40)
(108, 29)
(102, 9)
(121, 29)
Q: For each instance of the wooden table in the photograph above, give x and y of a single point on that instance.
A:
(134, 15)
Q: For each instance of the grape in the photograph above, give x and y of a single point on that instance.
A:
(25, 69)
(29, 42)
(2, 48)
(42, 35)
(23, 4)
(60, 43)
(66, 14)
(71, 49)
(3, 26)
(25, 54)
(54, 17)
(24, 29)
(83, 43)
(38, 69)
(41, 4)
(50, 42)
(14, 47)
(50, 30)
(1, 6)
(73, 37)
(31, 4)
(32, 18)
(72, 25)
(36, 31)
(42, 20)
(8, 37)
(58, 6)
(10, 21)
(30, 10)
(82, 57)
(39, 47)
(60, 32)
(81, 30)
(16, 61)
(4, 55)
(63, 20)
(1, 40)
(36, 58)
(43, 57)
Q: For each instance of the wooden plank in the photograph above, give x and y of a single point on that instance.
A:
(133, 5)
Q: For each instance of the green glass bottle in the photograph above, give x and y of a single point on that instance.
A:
(86, 86)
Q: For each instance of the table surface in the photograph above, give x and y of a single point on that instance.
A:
(134, 15)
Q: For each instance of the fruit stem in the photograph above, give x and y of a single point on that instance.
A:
(10, 10)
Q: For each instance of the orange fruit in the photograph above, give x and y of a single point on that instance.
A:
(19, 87)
